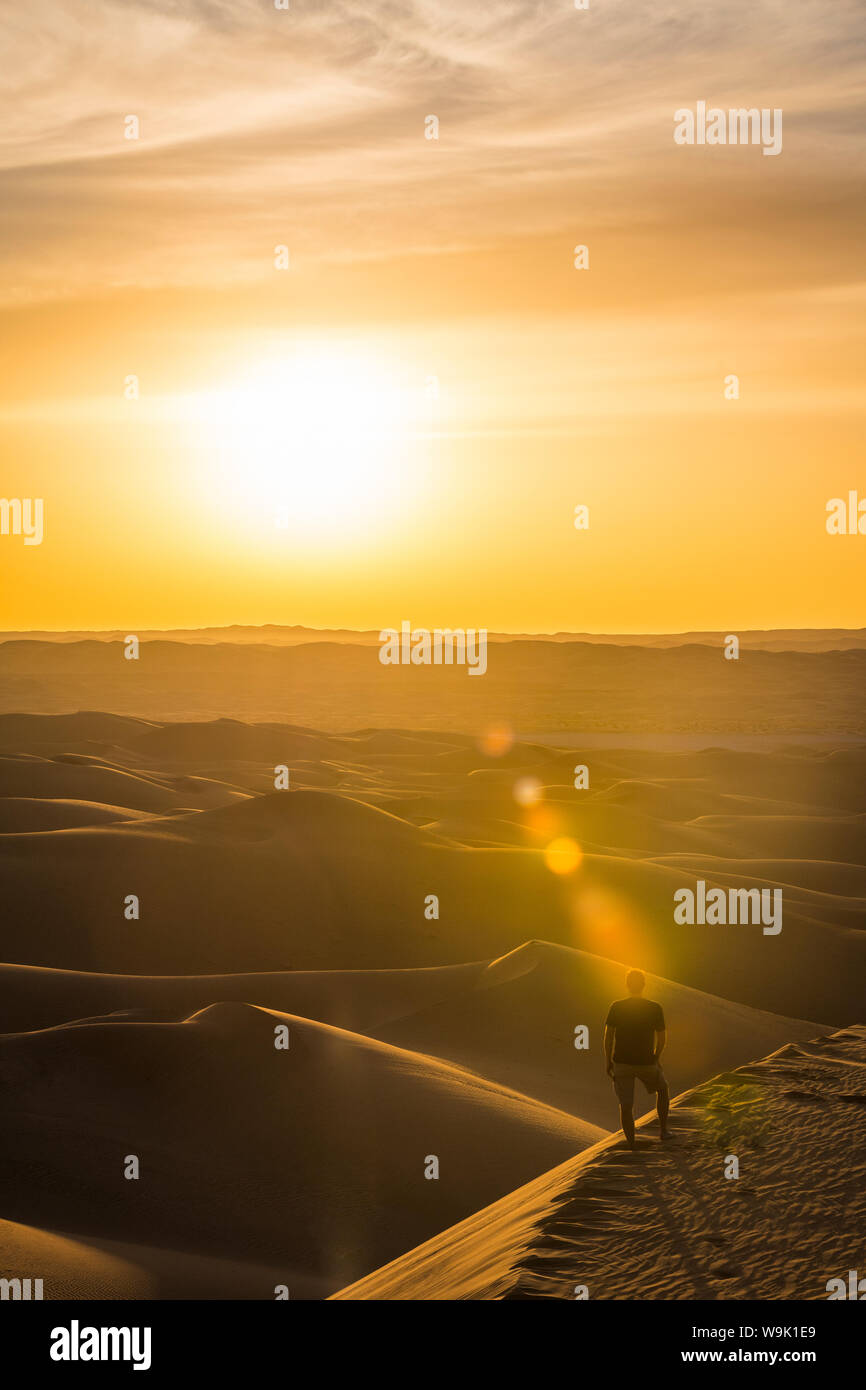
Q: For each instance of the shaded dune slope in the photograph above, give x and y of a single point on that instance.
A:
(312, 1157)
(520, 1021)
(86, 1267)
(233, 876)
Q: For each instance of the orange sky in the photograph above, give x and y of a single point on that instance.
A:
(401, 424)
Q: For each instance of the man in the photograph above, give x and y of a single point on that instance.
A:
(634, 1039)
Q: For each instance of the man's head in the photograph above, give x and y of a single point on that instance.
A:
(635, 981)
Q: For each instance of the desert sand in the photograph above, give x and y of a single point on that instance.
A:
(664, 1222)
(334, 872)
(411, 1034)
(330, 1135)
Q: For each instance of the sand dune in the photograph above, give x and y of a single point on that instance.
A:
(312, 815)
(68, 1268)
(788, 836)
(85, 1267)
(665, 1223)
(518, 1025)
(29, 815)
(358, 1000)
(297, 879)
(332, 1134)
(155, 1035)
(34, 732)
(336, 873)
(529, 684)
(83, 779)
(313, 1157)
(231, 740)
(511, 1020)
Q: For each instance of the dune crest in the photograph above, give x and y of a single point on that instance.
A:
(664, 1223)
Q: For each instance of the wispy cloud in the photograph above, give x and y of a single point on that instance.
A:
(306, 126)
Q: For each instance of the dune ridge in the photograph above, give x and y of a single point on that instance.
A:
(236, 877)
(412, 1032)
(664, 1223)
(171, 1068)
(252, 1153)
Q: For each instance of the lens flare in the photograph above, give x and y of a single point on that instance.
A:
(527, 790)
(496, 741)
(563, 855)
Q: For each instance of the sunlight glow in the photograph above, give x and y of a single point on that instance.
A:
(310, 442)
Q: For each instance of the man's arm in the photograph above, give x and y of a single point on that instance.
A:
(608, 1048)
(661, 1039)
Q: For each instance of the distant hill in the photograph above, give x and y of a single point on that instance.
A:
(530, 685)
(293, 635)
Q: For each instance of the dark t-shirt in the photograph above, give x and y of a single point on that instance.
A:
(635, 1021)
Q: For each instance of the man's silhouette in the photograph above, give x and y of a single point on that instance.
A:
(634, 1039)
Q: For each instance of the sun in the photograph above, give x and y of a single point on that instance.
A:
(310, 442)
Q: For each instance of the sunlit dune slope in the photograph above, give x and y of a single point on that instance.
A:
(665, 1222)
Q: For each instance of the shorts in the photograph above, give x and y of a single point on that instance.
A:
(624, 1074)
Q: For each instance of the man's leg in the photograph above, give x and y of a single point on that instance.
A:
(663, 1105)
(626, 1119)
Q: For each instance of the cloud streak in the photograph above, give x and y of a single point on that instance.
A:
(306, 126)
